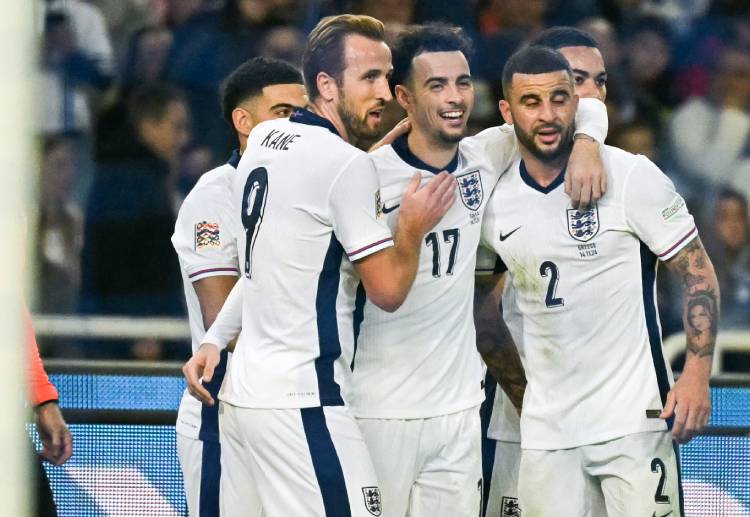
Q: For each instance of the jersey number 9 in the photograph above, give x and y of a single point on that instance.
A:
(253, 205)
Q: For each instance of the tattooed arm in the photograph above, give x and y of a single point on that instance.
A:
(494, 341)
(689, 400)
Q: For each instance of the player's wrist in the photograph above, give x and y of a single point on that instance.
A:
(583, 137)
(697, 368)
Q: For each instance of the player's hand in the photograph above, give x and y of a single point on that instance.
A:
(689, 401)
(57, 443)
(585, 177)
(200, 369)
(403, 127)
(422, 208)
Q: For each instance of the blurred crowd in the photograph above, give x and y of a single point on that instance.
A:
(130, 118)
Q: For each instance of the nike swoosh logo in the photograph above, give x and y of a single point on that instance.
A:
(387, 210)
(503, 237)
(665, 515)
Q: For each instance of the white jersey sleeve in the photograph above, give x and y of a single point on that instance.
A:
(354, 201)
(228, 322)
(591, 119)
(203, 238)
(655, 212)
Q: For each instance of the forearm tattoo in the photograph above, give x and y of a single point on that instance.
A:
(501, 357)
(701, 290)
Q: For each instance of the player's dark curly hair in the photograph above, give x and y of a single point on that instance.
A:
(560, 37)
(418, 39)
(249, 79)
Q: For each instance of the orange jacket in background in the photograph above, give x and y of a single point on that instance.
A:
(41, 390)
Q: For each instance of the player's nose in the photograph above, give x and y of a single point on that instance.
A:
(383, 90)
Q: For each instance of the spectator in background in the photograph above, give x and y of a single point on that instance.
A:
(128, 264)
(504, 26)
(620, 103)
(204, 53)
(728, 245)
(144, 64)
(60, 230)
(710, 135)
(76, 61)
(395, 14)
(648, 51)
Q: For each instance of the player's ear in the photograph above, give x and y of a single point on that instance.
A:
(328, 87)
(243, 121)
(505, 111)
(403, 96)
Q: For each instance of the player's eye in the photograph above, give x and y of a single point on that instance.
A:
(602, 81)
(465, 83)
(578, 80)
(283, 112)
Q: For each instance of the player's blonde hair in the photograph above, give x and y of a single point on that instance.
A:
(325, 46)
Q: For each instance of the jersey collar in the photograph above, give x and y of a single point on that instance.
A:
(531, 182)
(401, 146)
(234, 160)
(304, 116)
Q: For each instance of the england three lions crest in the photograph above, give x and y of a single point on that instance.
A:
(470, 187)
(583, 225)
(372, 500)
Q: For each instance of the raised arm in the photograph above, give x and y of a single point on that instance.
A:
(494, 340)
(689, 400)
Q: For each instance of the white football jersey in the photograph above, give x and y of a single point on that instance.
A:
(306, 204)
(205, 245)
(421, 361)
(585, 284)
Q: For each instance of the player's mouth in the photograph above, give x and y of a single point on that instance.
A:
(548, 135)
(453, 117)
(375, 116)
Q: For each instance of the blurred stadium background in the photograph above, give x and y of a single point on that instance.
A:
(106, 291)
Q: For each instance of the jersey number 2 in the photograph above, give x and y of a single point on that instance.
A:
(432, 241)
(549, 268)
(253, 205)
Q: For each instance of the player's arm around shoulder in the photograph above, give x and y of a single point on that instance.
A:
(586, 177)
(689, 400)
(494, 340)
(387, 264)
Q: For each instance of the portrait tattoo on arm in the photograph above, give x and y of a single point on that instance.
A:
(701, 291)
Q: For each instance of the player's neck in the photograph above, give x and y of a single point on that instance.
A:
(429, 151)
(543, 172)
(328, 111)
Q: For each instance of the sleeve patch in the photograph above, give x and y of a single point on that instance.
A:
(207, 236)
(673, 209)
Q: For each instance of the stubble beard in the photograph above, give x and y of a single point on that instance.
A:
(562, 150)
(355, 126)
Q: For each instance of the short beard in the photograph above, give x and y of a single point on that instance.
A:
(355, 127)
(562, 151)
